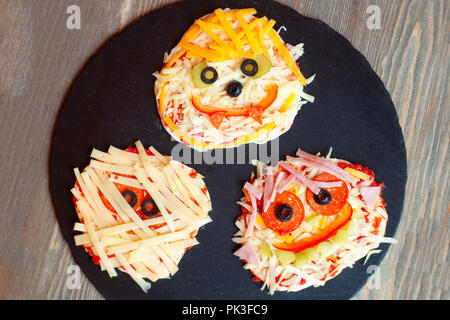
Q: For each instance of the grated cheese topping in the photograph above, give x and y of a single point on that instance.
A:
(120, 236)
(363, 234)
(222, 40)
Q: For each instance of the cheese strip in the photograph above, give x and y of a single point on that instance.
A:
(112, 167)
(208, 30)
(152, 262)
(145, 286)
(134, 157)
(131, 182)
(269, 25)
(178, 186)
(248, 32)
(126, 213)
(114, 232)
(124, 205)
(164, 238)
(106, 215)
(190, 185)
(228, 28)
(98, 220)
(286, 55)
(106, 157)
(177, 207)
(145, 271)
(169, 262)
(121, 228)
(159, 156)
(154, 193)
(86, 213)
(195, 30)
(208, 54)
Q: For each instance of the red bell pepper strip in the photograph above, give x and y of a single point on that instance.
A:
(271, 95)
(341, 220)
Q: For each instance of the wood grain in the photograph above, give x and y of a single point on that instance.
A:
(40, 57)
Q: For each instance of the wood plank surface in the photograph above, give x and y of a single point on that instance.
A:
(39, 58)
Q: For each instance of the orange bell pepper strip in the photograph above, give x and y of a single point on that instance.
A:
(331, 229)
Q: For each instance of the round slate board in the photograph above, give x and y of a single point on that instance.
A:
(112, 103)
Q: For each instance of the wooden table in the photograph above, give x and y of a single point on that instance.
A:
(40, 56)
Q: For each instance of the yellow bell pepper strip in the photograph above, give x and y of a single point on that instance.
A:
(288, 103)
(161, 98)
(228, 28)
(206, 53)
(331, 229)
(248, 32)
(195, 30)
(286, 55)
(358, 174)
(207, 29)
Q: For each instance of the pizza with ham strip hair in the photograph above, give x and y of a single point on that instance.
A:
(307, 219)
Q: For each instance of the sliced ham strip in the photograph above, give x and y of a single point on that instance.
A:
(370, 195)
(329, 184)
(366, 183)
(286, 183)
(300, 177)
(314, 186)
(253, 190)
(252, 218)
(326, 165)
(248, 253)
(268, 187)
(280, 177)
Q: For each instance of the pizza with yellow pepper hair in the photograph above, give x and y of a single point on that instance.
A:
(230, 80)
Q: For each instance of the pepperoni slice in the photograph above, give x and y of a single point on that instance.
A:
(339, 196)
(280, 218)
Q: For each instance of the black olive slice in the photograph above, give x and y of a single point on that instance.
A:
(249, 67)
(284, 212)
(323, 197)
(149, 207)
(209, 75)
(130, 197)
(234, 89)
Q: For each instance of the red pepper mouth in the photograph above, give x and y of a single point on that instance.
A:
(254, 111)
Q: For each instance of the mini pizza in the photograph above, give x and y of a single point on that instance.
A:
(231, 80)
(307, 219)
(139, 212)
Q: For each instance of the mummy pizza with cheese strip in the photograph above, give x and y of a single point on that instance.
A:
(139, 212)
(231, 80)
(307, 219)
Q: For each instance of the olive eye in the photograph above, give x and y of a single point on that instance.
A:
(257, 67)
(130, 197)
(284, 212)
(249, 67)
(323, 197)
(149, 207)
(209, 75)
(203, 75)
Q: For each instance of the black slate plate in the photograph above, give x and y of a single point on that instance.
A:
(112, 103)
